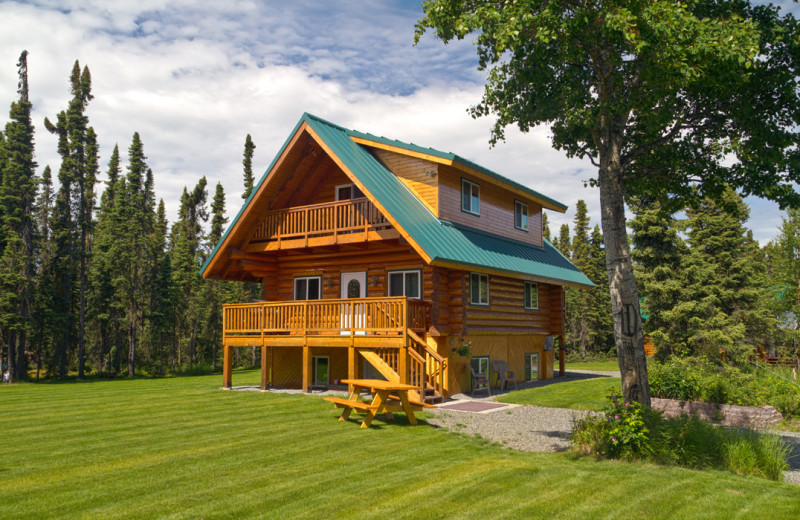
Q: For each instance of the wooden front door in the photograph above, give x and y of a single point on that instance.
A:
(353, 285)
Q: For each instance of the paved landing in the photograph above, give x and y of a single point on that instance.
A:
(472, 406)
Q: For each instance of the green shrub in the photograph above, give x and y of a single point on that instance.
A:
(674, 380)
(626, 431)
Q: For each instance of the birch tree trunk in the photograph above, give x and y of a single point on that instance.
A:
(630, 348)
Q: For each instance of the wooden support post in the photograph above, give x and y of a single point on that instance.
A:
(227, 367)
(306, 368)
(402, 362)
(265, 368)
(562, 357)
(351, 362)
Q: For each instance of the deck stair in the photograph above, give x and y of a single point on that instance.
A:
(426, 368)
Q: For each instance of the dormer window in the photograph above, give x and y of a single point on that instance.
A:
(470, 197)
(520, 215)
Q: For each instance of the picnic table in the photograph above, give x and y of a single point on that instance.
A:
(387, 397)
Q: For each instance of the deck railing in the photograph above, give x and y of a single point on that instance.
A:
(356, 316)
(318, 220)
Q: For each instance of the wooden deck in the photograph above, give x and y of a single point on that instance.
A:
(388, 332)
(341, 222)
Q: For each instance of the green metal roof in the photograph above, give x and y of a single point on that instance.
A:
(443, 241)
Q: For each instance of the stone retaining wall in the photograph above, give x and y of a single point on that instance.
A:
(728, 415)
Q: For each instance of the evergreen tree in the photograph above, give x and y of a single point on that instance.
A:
(185, 247)
(545, 227)
(44, 283)
(657, 252)
(784, 262)
(163, 295)
(129, 250)
(563, 243)
(17, 198)
(579, 309)
(601, 325)
(247, 162)
(77, 145)
(102, 302)
(722, 306)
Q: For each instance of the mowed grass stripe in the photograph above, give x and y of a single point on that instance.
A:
(181, 448)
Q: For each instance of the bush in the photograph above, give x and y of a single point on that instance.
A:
(674, 380)
(625, 431)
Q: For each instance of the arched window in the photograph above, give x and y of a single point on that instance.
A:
(354, 289)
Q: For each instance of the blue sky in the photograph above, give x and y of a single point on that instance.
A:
(195, 77)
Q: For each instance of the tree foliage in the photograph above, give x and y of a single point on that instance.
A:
(670, 100)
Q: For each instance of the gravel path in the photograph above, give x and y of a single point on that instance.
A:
(528, 428)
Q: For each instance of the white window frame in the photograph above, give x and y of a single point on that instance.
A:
(352, 186)
(526, 286)
(403, 272)
(519, 206)
(306, 278)
(480, 277)
(529, 362)
(480, 360)
(469, 209)
(314, 362)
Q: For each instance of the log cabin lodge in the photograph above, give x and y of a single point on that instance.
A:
(380, 259)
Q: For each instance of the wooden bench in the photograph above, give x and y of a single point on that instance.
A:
(347, 403)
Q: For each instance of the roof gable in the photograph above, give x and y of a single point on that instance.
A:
(437, 241)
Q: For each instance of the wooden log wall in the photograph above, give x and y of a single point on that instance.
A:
(376, 262)
(420, 176)
(496, 208)
(505, 313)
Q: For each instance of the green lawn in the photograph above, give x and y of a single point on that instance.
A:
(585, 394)
(593, 365)
(181, 448)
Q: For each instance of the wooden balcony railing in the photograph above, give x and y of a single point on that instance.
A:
(391, 316)
(332, 219)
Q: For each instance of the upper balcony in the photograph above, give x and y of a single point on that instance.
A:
(341, 222)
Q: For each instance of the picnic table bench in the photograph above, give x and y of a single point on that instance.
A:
(387, 397)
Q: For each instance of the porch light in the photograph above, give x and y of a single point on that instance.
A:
(628, 320)
(548, 343)
(328, 282)
(373, 280)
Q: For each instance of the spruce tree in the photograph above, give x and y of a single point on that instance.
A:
(545, 227)
(579, 308)
(102, 305)
(17, 199)
(44, 284)
(247, 162)
(77, 145)
(721, 312)
(657, 254)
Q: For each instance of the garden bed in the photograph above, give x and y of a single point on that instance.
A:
(763, 417)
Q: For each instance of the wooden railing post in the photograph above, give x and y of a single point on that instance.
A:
(402, 362)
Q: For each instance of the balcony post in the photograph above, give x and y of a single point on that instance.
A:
(265, 368)
(227, 367)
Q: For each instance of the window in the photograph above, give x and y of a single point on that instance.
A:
(480, 364)
(531, 291)
(520, 215)
(405, 283)
(307, 287)
(347, 192)
(478, 289)
(532, 366)
(470, 197)
(320, 372)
